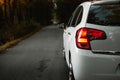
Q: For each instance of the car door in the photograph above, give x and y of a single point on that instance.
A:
(68, 32)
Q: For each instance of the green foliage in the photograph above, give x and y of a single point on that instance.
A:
(23, 28)
(21, 17)
(17, 30)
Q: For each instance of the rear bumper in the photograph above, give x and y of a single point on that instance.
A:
(89, 66)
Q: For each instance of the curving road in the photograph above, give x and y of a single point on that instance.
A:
(37, 58)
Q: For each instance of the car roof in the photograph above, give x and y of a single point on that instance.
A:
(106, 2)
(101, 2)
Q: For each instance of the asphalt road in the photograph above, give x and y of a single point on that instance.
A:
(37, 58)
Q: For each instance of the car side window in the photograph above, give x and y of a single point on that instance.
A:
(79, 18)
(68, 24)
(75, 16)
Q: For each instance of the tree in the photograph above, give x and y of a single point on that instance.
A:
(5, 10)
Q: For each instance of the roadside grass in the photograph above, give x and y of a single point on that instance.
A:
(9, 44)
(14, 42)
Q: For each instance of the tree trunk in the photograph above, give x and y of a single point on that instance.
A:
(5, 10)
(14, 11)
(9, 15)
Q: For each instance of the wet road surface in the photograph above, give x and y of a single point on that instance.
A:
(37, 58)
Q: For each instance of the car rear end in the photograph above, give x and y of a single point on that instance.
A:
(98, 43)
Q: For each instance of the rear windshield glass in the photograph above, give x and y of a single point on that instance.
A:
(104, 15)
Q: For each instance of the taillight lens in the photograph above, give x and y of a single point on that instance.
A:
(85, 35)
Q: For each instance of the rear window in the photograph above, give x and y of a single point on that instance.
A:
(108, 15)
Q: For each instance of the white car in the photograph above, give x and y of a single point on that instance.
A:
(92, 41)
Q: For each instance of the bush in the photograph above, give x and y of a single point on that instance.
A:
(17, 30)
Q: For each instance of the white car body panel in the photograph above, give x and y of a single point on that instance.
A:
(95, 66)
(89, 66)
(67, 39)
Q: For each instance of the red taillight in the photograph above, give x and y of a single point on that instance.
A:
(85, 35)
